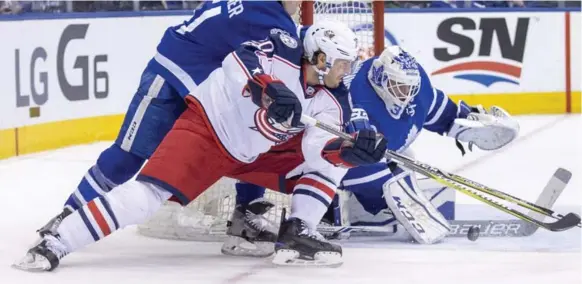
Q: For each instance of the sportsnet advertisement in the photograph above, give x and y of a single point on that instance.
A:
(515, 59)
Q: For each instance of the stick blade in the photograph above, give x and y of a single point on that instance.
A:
(569, 221)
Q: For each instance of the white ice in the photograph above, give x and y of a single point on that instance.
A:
(34, 188)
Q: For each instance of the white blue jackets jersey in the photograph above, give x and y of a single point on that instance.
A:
(431, 109)
(243, 128)
(187, 53)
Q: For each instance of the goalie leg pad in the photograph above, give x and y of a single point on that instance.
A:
(413, 210)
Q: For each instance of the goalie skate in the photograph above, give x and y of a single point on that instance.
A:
(249, 232)
(297, 246)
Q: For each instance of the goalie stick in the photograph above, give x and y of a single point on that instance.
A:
(469, 187)
(460, 228)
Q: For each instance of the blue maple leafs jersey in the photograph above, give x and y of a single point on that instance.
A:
(431, 109)
(187, 53)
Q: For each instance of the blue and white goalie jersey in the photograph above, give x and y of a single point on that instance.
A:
(430, 109)
(188, 52)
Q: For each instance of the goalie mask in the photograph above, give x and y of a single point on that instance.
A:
(336, 41)
(395, 77)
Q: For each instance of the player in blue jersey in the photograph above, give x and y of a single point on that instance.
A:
(393, 94)
(188, 51)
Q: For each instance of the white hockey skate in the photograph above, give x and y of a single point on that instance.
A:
(45, 256)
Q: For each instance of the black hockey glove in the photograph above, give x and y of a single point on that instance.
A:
(272, 95)
(368, 148)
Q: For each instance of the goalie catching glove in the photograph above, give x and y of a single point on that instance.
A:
(272, 95)
(368, 148)
(488, 130)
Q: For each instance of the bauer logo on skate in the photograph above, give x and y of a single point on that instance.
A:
(272, 130)
(473, 59)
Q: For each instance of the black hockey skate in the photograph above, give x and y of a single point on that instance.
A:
(48, 249)
(249, 233)
(54, 223)
(45, 256)
(298, 246)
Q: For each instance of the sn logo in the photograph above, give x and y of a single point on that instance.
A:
(490, 28)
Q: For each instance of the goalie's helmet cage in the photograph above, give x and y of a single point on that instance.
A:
(204, 219)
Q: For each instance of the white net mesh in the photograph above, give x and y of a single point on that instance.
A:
(356, 14)
(205, 218)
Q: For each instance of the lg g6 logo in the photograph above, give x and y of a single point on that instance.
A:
(88, 67)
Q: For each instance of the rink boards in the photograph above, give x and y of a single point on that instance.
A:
(67, 81)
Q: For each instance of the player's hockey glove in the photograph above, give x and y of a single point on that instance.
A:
(272, 95)
(368, 148)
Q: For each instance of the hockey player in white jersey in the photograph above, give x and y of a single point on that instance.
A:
(243, 122)
(392, 94)
(191, 49)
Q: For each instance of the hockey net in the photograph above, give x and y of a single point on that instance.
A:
(205, 218)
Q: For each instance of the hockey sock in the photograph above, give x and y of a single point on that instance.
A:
(247, 192)
(128, 204)
(113, 167)
(312, 196)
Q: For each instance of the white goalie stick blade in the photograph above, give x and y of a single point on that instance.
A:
(460, 228)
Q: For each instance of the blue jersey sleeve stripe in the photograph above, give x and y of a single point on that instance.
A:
(436, 115)
(434, 97)
(177, 72)
(247, 58)
(243, 66)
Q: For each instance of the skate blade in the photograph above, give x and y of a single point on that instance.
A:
(237, 246)
(32, 263)
(285, 257)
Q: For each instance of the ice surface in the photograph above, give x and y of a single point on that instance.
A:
(35, 186)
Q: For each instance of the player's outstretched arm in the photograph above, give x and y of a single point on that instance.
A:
(487, 129)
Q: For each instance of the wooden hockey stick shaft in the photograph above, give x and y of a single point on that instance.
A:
(459, 183)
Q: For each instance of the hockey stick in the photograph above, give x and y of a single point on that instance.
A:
(517, 228)
(460, 228)
(465, 185)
